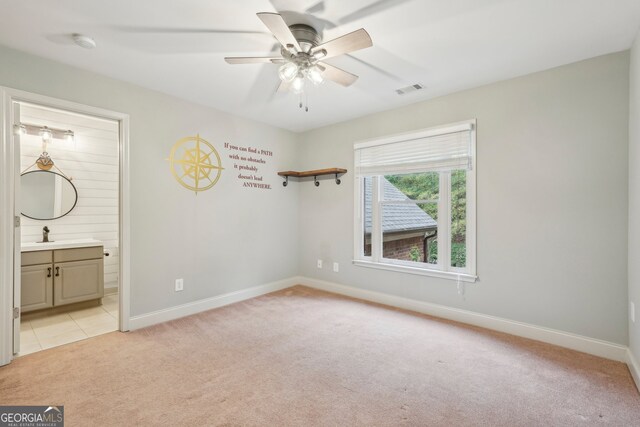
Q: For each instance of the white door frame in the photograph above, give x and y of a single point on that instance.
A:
(7, 206)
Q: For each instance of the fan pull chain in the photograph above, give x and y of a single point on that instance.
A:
(306, 102)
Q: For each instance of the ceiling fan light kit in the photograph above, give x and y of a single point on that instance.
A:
(301, 53)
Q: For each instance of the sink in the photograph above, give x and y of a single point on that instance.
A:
(59, 244)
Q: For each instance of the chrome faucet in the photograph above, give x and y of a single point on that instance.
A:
(45, 234)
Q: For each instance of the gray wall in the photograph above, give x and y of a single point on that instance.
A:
(634, 196)
(225, 239)
(552, 199)
(552, 195)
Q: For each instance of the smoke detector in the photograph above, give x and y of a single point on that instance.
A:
(84, 41)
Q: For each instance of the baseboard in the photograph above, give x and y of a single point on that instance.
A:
(581, 343)
(159, 316)
(111, 290)
(634, 368)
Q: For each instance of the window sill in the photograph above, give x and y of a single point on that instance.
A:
(463, 277)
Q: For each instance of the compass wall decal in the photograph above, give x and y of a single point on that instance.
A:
(195, 163)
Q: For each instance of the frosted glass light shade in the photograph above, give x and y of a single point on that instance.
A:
(46, 134)
(20, 129)
(288, 72)
(297, 86)
(315, 75)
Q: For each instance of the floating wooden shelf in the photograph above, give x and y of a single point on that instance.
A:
(314, 173)
(318, 172)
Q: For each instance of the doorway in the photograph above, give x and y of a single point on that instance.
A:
(67, 183)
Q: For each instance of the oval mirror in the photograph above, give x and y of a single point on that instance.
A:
(46, 195)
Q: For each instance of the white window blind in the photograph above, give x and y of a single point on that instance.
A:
(443, 149)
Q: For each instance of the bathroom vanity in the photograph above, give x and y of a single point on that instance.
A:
(59, 273)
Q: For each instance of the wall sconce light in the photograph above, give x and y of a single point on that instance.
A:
(46, 133)
(20, 129)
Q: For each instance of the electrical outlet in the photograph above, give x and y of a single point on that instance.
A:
(179, 285)
(336, 267)
(632, 311)
(319, 263)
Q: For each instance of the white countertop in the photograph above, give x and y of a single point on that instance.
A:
(60, 244)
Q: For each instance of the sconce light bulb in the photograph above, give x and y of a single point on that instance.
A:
(20, 129)
(46, 134)
(68, 136)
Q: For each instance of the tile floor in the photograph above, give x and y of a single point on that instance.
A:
(59, 329)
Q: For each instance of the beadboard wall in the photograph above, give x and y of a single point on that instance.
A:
(91, 160)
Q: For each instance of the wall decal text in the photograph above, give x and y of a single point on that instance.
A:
(248, 162)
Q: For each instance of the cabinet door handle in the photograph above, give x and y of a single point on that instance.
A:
(49, 272)
(57, 271)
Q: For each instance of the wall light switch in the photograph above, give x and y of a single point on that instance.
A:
(179, 285)
(632, 311)
(336, 267)
(319, 263)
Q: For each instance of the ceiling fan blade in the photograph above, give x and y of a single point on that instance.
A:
(283, 86)
(316, 8)
(372, 9)
(279, 29)
(356, 40)
(184, 40)
(263, 89)
(376, 68)
(180, 30)
(253, 59)
(337, 75)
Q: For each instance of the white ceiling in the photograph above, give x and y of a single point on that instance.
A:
(177, 47)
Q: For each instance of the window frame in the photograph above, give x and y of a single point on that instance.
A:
(443, 268)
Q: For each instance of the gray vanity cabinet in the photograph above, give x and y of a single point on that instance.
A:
(37, 287)
(77, 281)
(62, 276)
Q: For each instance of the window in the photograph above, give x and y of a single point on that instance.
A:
(415, 202)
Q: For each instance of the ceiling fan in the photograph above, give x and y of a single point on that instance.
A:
(302, 54)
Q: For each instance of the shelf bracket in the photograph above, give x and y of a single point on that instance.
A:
(286, 181)
(315, 181)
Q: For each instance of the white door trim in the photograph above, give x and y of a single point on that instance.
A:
(6, 230)
(7, 171)
(17, 231)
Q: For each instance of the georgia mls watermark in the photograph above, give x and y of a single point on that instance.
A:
(31, 416)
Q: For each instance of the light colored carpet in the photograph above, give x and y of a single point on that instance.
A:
(305, 357)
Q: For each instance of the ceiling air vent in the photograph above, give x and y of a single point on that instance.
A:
(408, 89)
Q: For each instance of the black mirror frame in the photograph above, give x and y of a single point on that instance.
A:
(72, 186)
